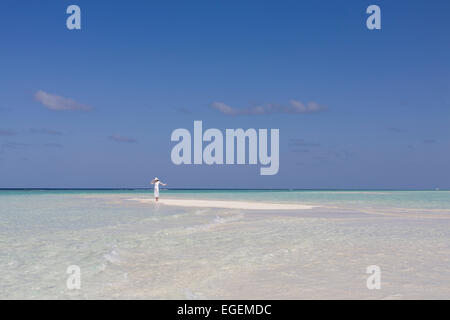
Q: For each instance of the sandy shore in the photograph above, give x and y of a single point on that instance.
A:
(226, 204)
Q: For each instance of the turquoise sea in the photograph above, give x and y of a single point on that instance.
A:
(126, 249)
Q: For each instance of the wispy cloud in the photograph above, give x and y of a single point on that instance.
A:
(396, 130)
(301, 150)
(342, 153)
(294, 107)
(58, 103)
(15, 145)
(53, 145)
(302, 143)
(183, 110)
(7, 132)
(46, 131)
(429, 141)
(302, 146)
(118, 138)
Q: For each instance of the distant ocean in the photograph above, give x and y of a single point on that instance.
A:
(126, 249)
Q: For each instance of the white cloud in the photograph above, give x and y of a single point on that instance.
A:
(58, 103)
(294, 107)
(299, 107)
(118, 138)
(46, 131)
(53, 145)
(15, 145)
(7, 132)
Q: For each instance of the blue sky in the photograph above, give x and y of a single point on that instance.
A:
(137, 70)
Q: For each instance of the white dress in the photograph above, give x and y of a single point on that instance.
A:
(156, 192)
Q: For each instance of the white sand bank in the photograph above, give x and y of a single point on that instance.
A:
(226, 204)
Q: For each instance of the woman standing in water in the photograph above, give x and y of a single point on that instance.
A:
(157, 182)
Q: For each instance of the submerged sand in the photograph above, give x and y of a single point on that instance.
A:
(227, 204)
(143, 250)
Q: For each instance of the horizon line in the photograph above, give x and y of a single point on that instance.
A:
(218, 189)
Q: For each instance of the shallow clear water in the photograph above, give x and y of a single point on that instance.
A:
(126, 249)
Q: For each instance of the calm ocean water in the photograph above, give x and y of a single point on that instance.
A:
(126, 249)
